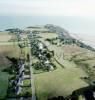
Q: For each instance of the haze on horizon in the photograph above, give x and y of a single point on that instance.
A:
(80, 8)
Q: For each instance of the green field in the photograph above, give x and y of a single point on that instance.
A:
(62, 81)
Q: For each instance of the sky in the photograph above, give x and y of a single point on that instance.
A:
(81, 8)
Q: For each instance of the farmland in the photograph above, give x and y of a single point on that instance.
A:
(6, 36)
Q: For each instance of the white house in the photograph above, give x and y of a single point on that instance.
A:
(19, 81)
(40, 46)
(18, 90)
(21, 68)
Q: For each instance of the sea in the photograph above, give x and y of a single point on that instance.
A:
(79, 27)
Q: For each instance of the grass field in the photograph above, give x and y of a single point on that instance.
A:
(48, 35)
(37, 29)
(62, 81)
(5, 36)
(4, 32)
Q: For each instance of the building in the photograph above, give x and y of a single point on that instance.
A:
(18, 90)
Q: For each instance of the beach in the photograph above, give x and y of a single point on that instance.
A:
(88, 39)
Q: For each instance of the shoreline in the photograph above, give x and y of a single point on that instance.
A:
(87, 39)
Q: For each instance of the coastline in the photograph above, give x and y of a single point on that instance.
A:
(85, 38)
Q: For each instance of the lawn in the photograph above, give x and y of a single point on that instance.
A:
(61, 82)
(26, 82)
(26, 91)
(25, 51)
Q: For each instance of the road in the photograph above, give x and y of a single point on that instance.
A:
(31, 76)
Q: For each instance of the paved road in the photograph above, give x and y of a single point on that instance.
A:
(31, 76)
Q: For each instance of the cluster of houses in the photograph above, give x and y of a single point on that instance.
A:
(16, 84)
(20, 82)
(41, 52)
(44, 56)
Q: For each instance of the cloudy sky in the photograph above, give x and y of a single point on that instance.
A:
(82, 8)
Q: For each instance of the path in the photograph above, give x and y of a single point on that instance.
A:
(31, 76)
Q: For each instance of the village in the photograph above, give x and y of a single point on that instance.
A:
(48, 60)
(20, 85)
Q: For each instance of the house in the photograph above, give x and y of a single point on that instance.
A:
(40, 45)
(48, 65)
(40, 56)
(47, 62)
(51, 67)
(21, 68)
(20, 62)
(18, 90)
(21, 75)
(18, 81)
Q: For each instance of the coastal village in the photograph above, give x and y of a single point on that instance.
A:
(20, 86)
(49, 66)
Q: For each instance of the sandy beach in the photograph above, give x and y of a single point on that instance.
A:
(87, 39)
